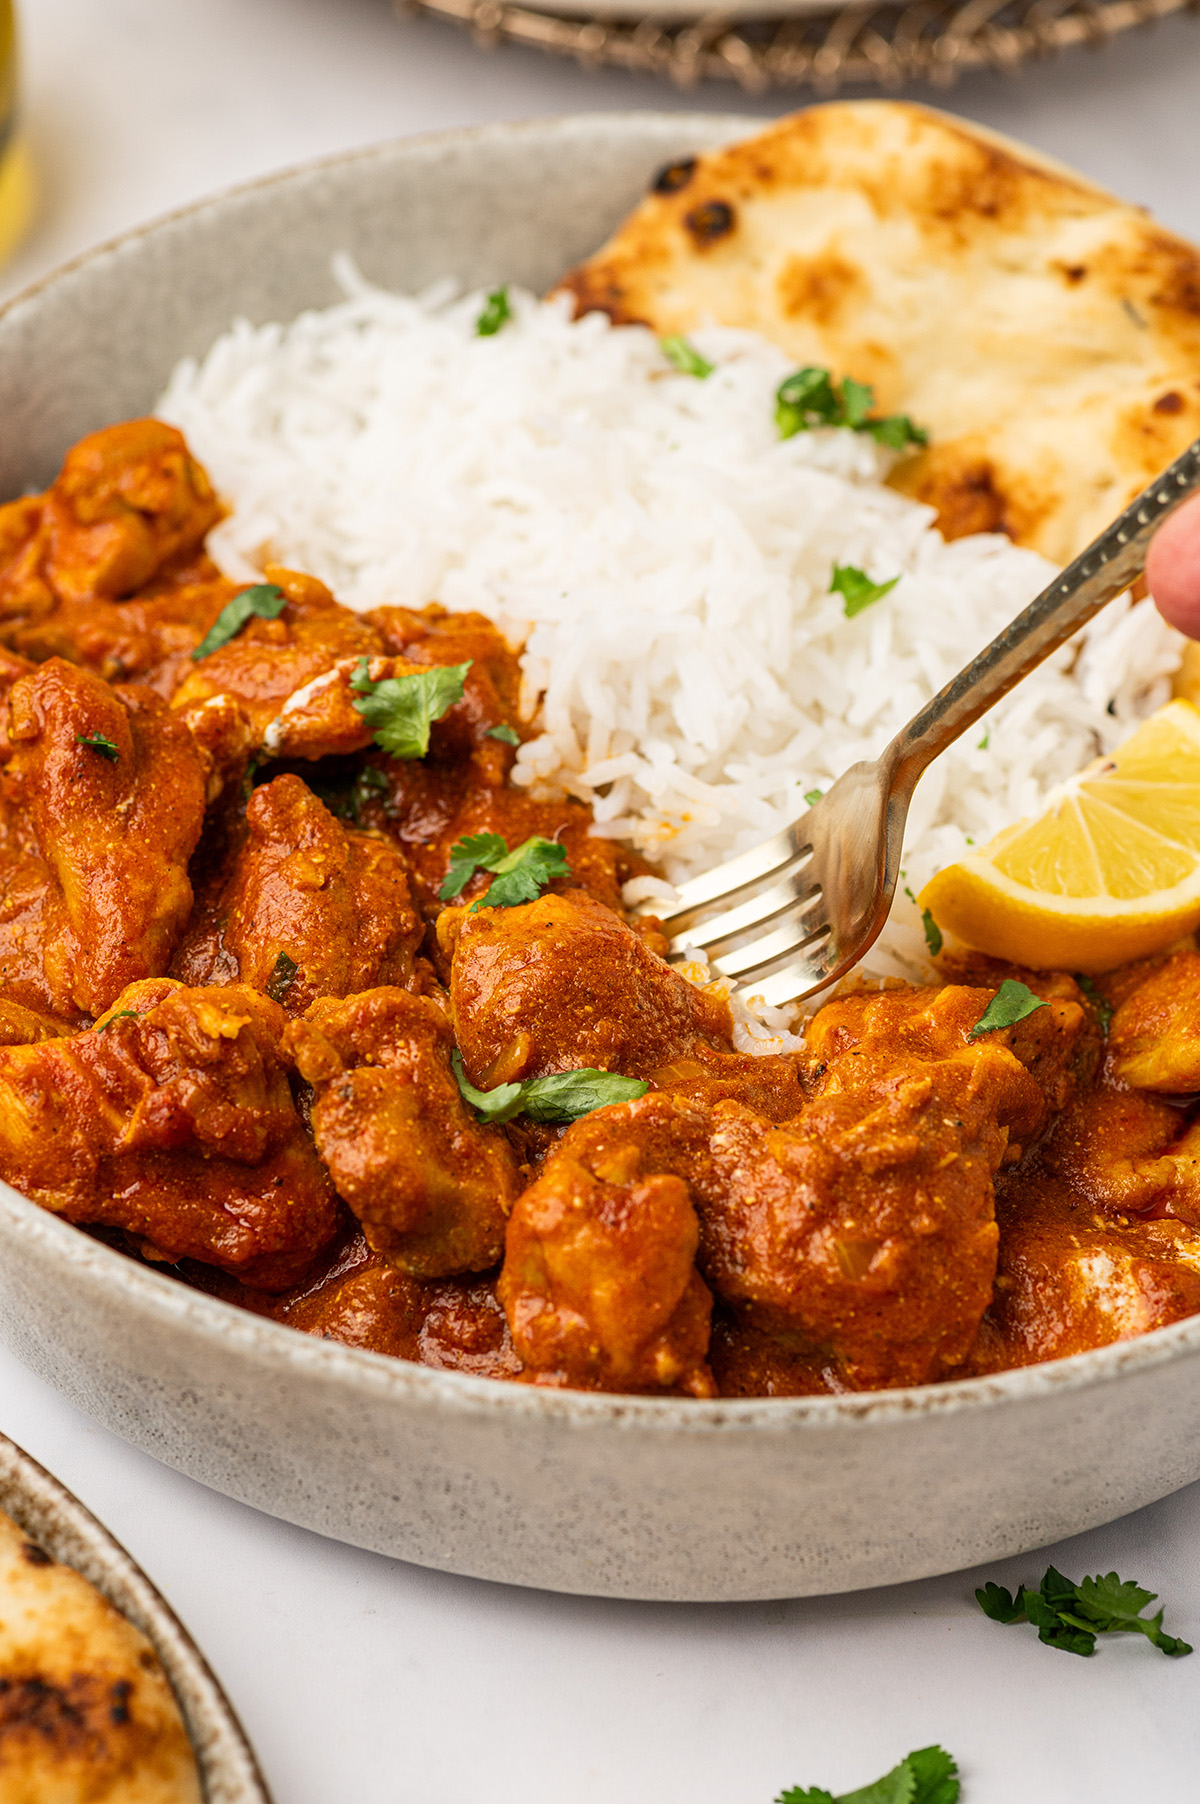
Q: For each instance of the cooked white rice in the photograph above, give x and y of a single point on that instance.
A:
(665, 558)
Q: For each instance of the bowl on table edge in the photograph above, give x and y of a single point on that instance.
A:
(638, 1497)
(53, 1517)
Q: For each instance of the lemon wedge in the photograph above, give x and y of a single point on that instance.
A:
(1110, 872)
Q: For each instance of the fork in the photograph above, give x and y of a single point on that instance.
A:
(792, 916)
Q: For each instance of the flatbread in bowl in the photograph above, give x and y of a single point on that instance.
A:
(1046, 334)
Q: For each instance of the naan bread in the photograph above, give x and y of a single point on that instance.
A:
(1046, 334)
(86, 1713)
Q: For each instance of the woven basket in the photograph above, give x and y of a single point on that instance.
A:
(887, 45)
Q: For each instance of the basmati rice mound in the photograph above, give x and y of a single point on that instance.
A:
(666, 560)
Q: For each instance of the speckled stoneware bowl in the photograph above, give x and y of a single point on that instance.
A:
(58, 1522)
(624, 1496)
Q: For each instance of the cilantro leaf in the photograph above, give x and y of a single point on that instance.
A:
(504, 732)
(857, 588)
(1114, 1605)
(348, 797)
(926, 1776)
(1069, 1616)
(263, 599)
(812, 797)
(936, 1773)
(897, 1787)
(564, 1096)
(804, 400)
(1000, 1604)
(524, 874)
(497, 1105)
(401, 710)
(521, 875)
(896, 431)
(685, 357)
(810, 398)
(124, 1014)
(933, 933)
(857, 399)
(282, 977)
(496, 311)
(478, 851)
(97, 742)
(1104, 1010)
(1011, 1003)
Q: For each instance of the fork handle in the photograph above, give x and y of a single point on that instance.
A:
(1097, 575)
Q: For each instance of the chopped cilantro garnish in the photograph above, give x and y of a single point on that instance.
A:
(401, 710)
(564, 1096)
(806, 399)
(264, 600)
(496, 310)
(1104, 1010)
(813, 796)
(1070, 1617)
(933, 933)
(685, 357)
(282, 977)
(896, 431)
(926, 1776)
(124, 1014)
(520, 875)
(504, 732)
(1011, 1003)
(985, 741)
(857, 588)
(97, 742)
(348, 797)
(810, 398)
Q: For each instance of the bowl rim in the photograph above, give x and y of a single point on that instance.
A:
(723, 123)
(52, 1515)
(177, 1303)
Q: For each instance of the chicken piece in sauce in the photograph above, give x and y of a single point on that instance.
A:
(1154, 1035)
(108, 793)
(860, 1043)
(1073, 1276)
(431, 1187)
(172, 1120)
(309, 908)
(130, 505)
(272, 666)
(149, 639)
(562, 983)
(599, 1283)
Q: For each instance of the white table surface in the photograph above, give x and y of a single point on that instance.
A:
(363, 1681)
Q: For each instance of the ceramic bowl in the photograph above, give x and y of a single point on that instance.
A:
(622, 1496)
(54, 1518)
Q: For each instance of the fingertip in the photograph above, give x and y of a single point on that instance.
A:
(1173, 568)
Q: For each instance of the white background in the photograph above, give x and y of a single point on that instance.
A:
(362, 1681)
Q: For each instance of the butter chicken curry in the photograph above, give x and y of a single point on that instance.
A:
(302, 998)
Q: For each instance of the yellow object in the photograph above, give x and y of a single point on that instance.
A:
(16, 186)
(1110, 872)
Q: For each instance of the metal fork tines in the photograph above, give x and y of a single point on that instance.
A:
(797, 912)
